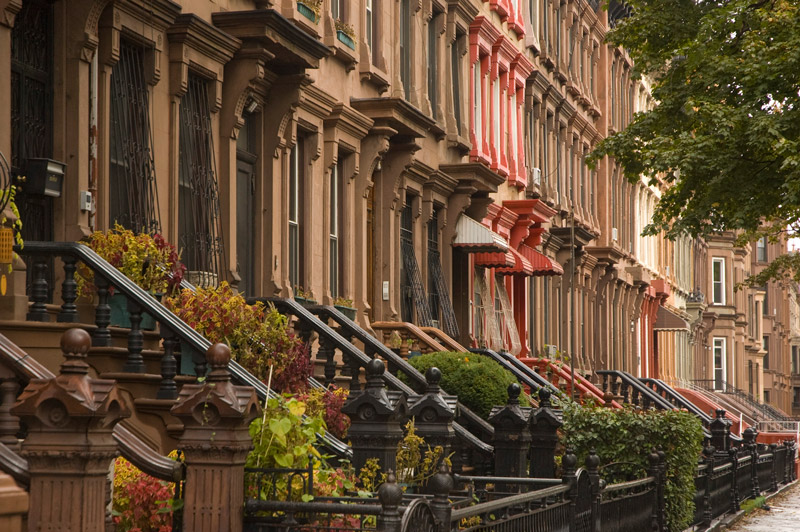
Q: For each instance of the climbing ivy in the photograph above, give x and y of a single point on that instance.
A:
(626, 437)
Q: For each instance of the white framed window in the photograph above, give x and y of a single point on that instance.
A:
(718, 281)
(476, 102)
(720, 362)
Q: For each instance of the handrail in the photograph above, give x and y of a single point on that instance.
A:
(661, 386)
(634, 383)
(525, 374)
(411, 329)
(729, 403)
(131, 447)
(187, 335)
(349, 327)
(14, 465)
(442, 337)
(584, 386)
(506, 502)
(765, 409)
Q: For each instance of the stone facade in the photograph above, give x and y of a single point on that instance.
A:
(344, 148)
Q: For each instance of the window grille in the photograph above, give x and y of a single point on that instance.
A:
(133, 198)
(413, 296)
(440, 304)
(199, 232)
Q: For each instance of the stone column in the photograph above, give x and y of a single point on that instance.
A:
(216, 416)
(70, 446)
(544, 425)
(512, 438)
(376, 417)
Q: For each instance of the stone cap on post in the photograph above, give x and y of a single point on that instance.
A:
(545, 417)
(216, 405)
(433, 406)
(511, 416)
(375, 403)
(71, 403)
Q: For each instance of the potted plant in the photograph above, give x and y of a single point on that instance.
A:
(146, 259)
(345, 33)
(310, 9)
(259, 336)
(304, 297)
(9, 232)
(345, 306)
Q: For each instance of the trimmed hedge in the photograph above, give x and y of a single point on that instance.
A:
(629, 435)
(479, 382)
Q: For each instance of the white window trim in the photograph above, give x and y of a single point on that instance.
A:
(721, 261)
(722, 341)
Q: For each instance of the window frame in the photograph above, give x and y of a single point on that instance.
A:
(718, 282)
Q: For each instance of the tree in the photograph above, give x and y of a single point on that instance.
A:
(722, 141)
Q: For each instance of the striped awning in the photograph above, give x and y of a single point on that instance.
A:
(474, 237)
(542, 265)
(495, 260)
(522, 266)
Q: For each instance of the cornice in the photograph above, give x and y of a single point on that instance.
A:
(348, 120)
(398, 114)
(480, 175)
(291, 45)
(159, 13)
(191, 30)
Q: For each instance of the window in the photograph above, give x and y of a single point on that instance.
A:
(766, 396)
(496, 115)
(718, 280)
(765, 347)
(455, 68)
(405, 47)
(613, 96)
(720, 363)
(433, 257)
(433, 62)
(337, 9)
(246, 159)
(295, 214)
(545, 29)
(371, 29)
(761, 249)
(133, 200)
(198, 193)
(765, 305)
(477, 98)
(334, 240)
(794, 359)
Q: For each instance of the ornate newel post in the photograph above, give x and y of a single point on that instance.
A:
(721, 432)
(216, 416)
(512, 439)
(70, 445)
(376, 418)
(749, 436)
(656, 471)
(544, 425)
(433, 413)
(593, 468)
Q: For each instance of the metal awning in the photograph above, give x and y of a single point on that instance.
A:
(474, 237)
(667, 320)
(495, 260)
(522, 266)
(542, 264)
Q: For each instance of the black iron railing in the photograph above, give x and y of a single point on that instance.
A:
(315, 319)
(760, 410)
(179, 339)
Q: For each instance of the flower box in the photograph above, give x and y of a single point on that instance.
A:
(307, 12)
(346, 39)
(350, 312)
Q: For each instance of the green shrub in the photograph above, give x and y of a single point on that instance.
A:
(628, 436)
(479, 382)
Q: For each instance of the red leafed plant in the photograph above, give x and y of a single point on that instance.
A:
(329, 403)
(141, 503)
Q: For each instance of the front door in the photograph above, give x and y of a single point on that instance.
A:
(31, 112)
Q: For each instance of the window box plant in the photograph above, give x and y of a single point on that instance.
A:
(148, 260)
(304, 297)
(345, 306)
(345, 33)
(310, 9)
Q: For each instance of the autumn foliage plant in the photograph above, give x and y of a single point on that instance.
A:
(146, 259)
(141, 503)
(258, 335)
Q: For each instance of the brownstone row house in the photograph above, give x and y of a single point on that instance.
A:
(423, 159)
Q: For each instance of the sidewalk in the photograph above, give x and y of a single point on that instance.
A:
(784, 515)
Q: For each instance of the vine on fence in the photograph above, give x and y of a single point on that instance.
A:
(626, 436)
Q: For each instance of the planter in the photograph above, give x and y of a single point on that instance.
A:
(350, 312)
(120, 317)
(307, 12)
(346, 39)
(305, 302)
